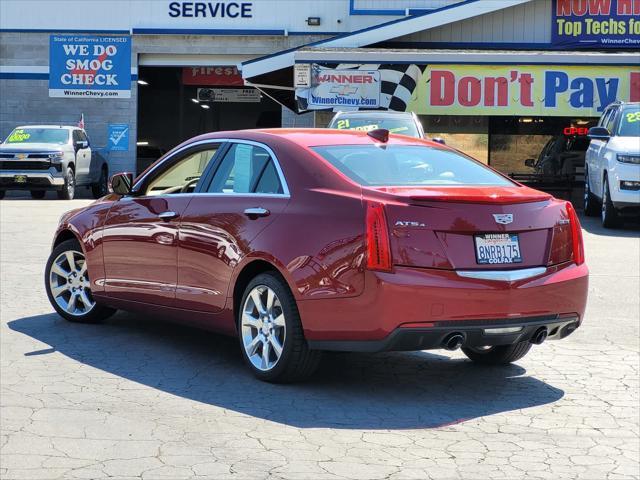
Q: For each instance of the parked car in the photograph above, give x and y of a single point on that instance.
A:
(51, 157)
(304, 240)
(404, 123)
(612, 168)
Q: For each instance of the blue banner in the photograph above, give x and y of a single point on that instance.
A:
(118, 137)
(89, 66)
(602, 24)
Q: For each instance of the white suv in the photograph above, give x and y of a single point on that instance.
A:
(612, 166)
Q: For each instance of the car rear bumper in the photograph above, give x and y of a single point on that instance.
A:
(397, 308)
(475, 333)
(33, 180)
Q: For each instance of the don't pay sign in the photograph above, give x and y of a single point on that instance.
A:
(524, 90)
(90, 66)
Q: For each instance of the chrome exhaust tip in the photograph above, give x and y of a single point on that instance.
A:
(453, 341)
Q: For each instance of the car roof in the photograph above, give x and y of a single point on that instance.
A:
(62, 127)
(316, 137)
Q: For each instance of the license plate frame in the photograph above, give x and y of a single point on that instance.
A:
(20, 179)
(495, 248)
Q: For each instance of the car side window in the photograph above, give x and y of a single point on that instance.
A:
(74, 136)
(610, 121)
(604, 117)
(82, 136)
(244, 169)
(183, 175)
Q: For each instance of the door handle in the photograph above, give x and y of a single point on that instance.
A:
(256, 212)
(168, 215)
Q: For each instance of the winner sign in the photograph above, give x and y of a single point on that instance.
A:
(90, 66)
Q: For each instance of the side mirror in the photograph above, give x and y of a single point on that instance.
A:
(82, 144)
(121, 183)
(599, 133)
(439, 140)
(530, 162)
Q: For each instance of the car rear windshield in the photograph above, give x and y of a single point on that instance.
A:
(59, 136)
(630, 122)
(402, 126)
(408, 165)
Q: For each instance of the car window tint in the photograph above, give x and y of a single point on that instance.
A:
(403, 165)
(630, 122)
(246, 169)
(609, 122)
(182, 175)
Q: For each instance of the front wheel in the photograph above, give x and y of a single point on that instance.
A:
(2, 193)
(69, 189)
(270, 331)
(68, 287)
(499, 354)
(609, 214)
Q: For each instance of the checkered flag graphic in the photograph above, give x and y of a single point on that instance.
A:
(398, 84)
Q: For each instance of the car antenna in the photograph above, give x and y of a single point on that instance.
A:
(380, 134)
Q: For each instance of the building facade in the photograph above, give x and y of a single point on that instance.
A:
(500, 79)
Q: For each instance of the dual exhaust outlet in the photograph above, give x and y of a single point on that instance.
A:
(455, 340)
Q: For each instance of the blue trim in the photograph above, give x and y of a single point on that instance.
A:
(204, 31)
(453, 62)
(23, 76)
(314, 33)
(51, 30)
(485, 46)
(382, 12)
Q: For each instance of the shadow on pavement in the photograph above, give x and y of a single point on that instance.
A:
(383, 391)
(629, 229)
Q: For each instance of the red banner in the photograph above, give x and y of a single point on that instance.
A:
(224, 76)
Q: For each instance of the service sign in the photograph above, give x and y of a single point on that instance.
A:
(344, 88)
(529, 90)
(89, 66)
(596, 23)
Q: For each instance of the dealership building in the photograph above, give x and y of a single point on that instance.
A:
(499, 79)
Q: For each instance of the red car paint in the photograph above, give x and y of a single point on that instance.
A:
(188, 267)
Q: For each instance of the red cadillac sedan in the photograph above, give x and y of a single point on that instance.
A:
(299, 241)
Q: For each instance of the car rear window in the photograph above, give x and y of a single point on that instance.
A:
(366, 124)
(408, 165)
(630, 122)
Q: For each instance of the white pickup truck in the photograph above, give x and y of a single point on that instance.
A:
(51, 157)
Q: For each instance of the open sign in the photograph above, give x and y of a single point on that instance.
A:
(572, 131)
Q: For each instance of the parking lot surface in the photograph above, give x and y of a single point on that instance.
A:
(137, 397)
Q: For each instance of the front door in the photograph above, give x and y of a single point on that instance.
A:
(140, 236)
(246, 194)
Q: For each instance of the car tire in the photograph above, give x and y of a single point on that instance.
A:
(100, 188)
(498, 355)
(591, 206)
(63, 281)
(38, 194)
(69, 188)
(268, 320)
(2, 194)
(609, 215)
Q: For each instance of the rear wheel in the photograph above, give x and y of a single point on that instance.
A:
(38, 194)
(497, 355)
(609, 215)
(271, 337)
(590, 202)
(100, 189)
(68, 286)
(69, 189)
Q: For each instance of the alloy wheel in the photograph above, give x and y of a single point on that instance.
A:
(263, 328)
(69, 283)
(71, 184)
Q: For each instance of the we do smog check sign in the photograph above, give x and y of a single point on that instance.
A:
(89, 66)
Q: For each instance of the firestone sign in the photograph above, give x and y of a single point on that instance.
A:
(527, 90)
(91, 66)
(596, 23)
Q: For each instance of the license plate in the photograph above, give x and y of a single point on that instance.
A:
(20, 178)
(497, 248)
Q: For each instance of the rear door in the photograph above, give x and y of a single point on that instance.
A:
(245, 194)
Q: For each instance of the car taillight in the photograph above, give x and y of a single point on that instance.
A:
(576, 235)
(378, 248)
